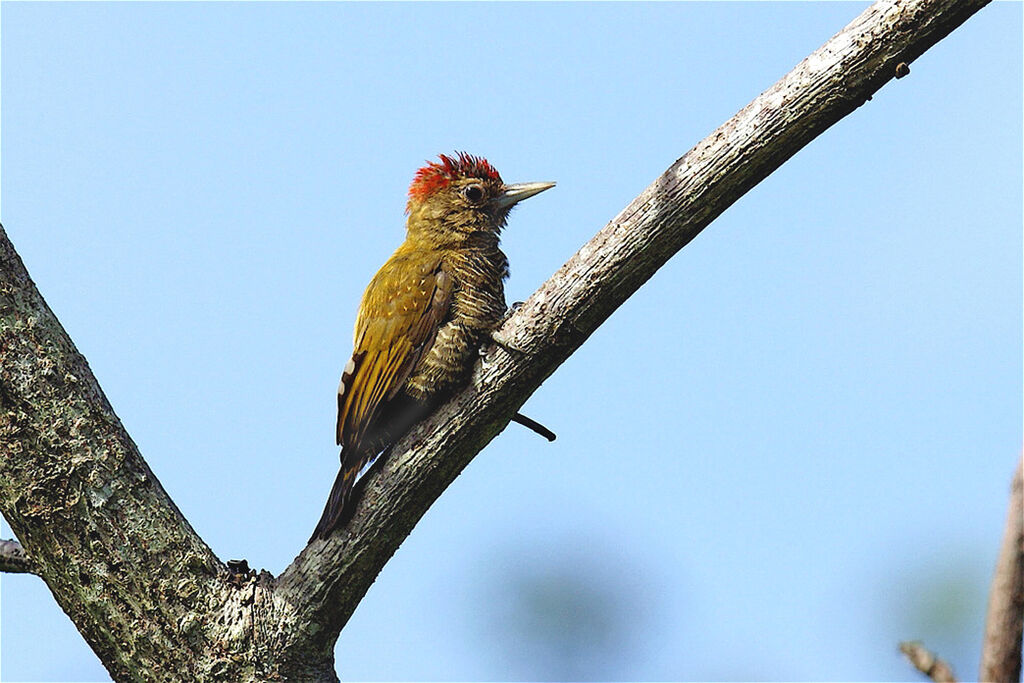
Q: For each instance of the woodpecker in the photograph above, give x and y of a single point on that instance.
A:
(425, 314)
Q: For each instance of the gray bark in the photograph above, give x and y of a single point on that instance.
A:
(146, 592)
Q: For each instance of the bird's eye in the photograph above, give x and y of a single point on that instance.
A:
(474, 193)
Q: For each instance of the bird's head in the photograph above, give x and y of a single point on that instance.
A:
(461, 194)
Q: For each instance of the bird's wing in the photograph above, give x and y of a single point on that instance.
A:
(402, 309)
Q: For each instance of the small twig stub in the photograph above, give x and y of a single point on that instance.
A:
(14, 559)
(927, 663)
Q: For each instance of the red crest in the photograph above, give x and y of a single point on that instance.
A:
(438, 174)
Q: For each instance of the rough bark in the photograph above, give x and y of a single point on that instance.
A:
(1001, 650)
(153, 600)
(150, 598)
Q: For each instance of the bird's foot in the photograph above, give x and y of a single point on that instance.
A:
(501, 340)
(504, 343)
(516, 305)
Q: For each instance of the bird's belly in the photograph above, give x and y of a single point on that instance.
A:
(446, 365)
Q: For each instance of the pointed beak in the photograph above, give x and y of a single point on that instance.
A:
(513, 194)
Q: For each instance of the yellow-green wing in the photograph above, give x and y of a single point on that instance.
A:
(402, 308)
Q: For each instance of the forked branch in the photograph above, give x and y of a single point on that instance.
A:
(156, 604)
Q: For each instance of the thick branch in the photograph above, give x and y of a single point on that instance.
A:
(328, 579)
(114, 550)
(14, 559)
(1001, 651)
(148, 595)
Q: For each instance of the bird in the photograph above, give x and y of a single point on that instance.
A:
(426, 313)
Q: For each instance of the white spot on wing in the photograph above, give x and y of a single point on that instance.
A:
(341, 386)
(350, 366)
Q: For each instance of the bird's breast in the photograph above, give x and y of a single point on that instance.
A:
(477, 306)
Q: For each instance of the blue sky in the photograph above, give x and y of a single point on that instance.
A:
(788, 451)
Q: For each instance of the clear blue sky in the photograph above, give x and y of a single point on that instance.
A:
(818, 400)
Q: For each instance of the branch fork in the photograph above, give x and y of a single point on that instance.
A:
(149, 595)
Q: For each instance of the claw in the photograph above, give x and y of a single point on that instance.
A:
(498, 338)
(516, 305)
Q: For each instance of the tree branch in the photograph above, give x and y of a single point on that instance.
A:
(113, 549)
(152, 599)
(14, 559)
(927, 663)
(328, 579)
(1004, 625)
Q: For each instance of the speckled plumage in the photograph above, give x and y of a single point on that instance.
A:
(425, 313)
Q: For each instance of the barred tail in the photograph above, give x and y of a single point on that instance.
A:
(336, 503)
